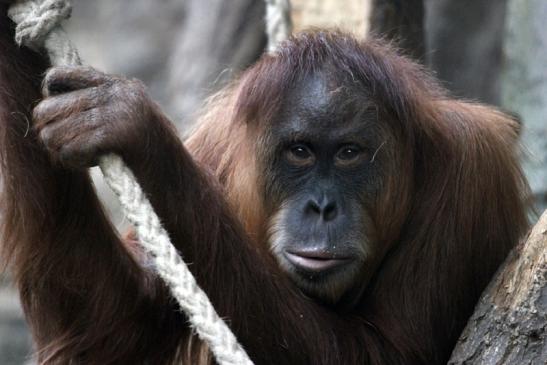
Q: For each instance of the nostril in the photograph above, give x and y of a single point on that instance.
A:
(313, 208)
(330, 211)
(324, 210)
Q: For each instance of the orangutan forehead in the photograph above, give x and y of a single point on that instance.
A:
(320, 103)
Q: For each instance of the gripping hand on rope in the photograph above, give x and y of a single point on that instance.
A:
(86, 113)
(89, 118)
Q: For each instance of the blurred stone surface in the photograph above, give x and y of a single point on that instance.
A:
(464, 45)
(14, 337)
(349, 15)
(524, 86)
(402, 22)
(134, 38)
(495, 51)
(218, 39)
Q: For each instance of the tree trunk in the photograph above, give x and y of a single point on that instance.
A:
(218, 40)
(402, 21)
(348, 15)
(510, 321)
(464, 46)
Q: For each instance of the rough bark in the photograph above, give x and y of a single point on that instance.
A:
(509, 323)
(402, 21)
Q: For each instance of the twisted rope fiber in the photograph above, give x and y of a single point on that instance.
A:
(38, 25)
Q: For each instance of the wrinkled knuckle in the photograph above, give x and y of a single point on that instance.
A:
(53, 78)
(47, 82)
(45, 136)
(95, 117)
(129, 95)
(86, 69)
(92, 71)
(55, 73)
(94, 97)
(38, 114)
(45, 112)
(135, 89)
(91, 75)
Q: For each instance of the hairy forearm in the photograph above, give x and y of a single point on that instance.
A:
(78, 285)
(176, 187)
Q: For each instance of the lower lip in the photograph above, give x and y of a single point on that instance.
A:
(314, 264)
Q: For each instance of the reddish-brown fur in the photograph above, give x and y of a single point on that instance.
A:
(452, 209)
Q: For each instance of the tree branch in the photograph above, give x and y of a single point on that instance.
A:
(510, 321)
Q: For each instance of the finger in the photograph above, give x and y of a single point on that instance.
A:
(80, 152)
(55, 135)
(75, 142)
(64, 79)
(64, 105)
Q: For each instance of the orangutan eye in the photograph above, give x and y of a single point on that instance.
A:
(300, 155)
(300, 152)
(349, 155)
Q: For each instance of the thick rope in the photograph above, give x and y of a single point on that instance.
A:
(169, 265)
(38, 26)
(278, 22)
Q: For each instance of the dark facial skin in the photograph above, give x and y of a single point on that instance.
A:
(326, 179)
